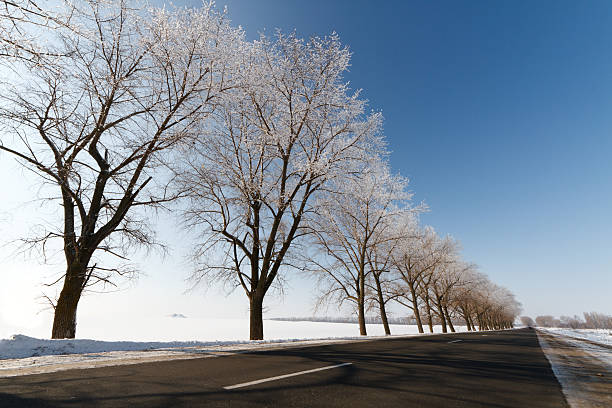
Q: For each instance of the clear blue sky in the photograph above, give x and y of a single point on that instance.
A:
(500, 112)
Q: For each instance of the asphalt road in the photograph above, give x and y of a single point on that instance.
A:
(491, 369)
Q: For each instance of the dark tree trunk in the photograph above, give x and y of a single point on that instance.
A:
(450, 324)
(472, 322)
(415, 307)
(256, 318)
(467, 323)
(64, 319)
(466, 317)
(381, 303)
(428, 309)
(361, 317)
(417, 316)
(448, 319)
(361, 303)
(442, 318)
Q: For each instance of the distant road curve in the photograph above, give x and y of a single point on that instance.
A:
(488, 369)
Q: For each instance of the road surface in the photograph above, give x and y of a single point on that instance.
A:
(489, 369)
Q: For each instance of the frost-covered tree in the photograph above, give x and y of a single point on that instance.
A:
(495, 307)
(96, 123)
(465, 296)
(433, 285)
(23, 26)
(433, 280)
(594, 320)
(354, 225)
(380, 262)
(414, 261)
(450, 275)
(546, 321)
(527, 321)
(277, 141)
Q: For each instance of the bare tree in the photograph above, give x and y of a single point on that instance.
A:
(571, 322)
(465, 297)
(435, 281)
(448, 276)
(527, 321)
(354, 225)
(23, 26)
(97, 124)
(545, 321)
(415, 260)
(495, 307)
(380, 263)
(594, 320)
(276, 142)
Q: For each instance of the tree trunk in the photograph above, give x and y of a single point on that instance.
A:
(415, 307)
(381, 302)
(472, 322)
(361, 317)
(467, 323)
(417, 316)
(442, 319)
(64, 319)
(429, 319)
(361, 303)
(466, 317)
(256, 318)
(448, 319)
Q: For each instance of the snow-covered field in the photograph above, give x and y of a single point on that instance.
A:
(597, 335)
(169, 337)
(167, 328)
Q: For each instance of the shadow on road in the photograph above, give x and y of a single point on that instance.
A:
(504, 369)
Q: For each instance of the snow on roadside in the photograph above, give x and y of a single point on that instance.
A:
(21, 355)
(603, 351)
(582, 368)
(149, 334)
(78, 354)
(602, 336)
(20, 346)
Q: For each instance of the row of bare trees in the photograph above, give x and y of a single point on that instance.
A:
(272, 158)
(591, 320)
(371, 250)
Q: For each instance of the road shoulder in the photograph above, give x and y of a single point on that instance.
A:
(585, 379)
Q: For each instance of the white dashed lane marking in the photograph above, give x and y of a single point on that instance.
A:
(280, 377)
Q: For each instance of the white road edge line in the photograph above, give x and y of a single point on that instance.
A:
(246, 384)
(455, 341)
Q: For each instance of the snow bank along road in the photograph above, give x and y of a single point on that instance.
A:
(583, 367)
(490, 369)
